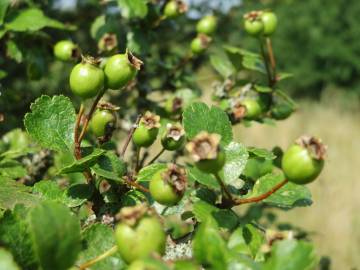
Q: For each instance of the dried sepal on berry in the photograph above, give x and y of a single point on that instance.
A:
(150, 120)
(204, 146)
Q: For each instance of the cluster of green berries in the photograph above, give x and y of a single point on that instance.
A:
(204, 28)
(260, 23)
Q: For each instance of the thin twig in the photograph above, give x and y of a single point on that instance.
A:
(89, 115)
(156, 157)
(137, 159)
(272, 59)
(223, 186)
(77, 150)
(266, 61)
(262, 196)
(135, 185)
(131, 133)
(102, 256)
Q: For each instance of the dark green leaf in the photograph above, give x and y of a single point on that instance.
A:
(12, 169)
(199, 117)
(51, 122)
(110, 166)
(291, 255)
(6, 259)
(4, 4)
(56, 235)
(261, 152)
(12, 193)
(15, 236)
(133, 8)
(97, 239)
(84, 163)
(205, 179)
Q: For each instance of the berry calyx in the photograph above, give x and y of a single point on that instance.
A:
(175, 8)
(66, 50)
(304, 160)
(120, 69)
(107, 43)
(253, 23)
(207, 25)
(200, 44)
(139, 233)
(147, 131)
(86, 78)
(167, 186)
(205, 150)
(174, 105)
(269, 20)
(173, 137)
(102, 123)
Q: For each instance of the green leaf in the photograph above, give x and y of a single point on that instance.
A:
(199, 117)
(222, 65)
(261, 152)
(49, 190)
(146, 173)
(246, 240)
(209, 247)
(103, 25)
(31, 19)
(6, 259)
(52, 122)
(17, 143)
(133, 8)
(97, 239)
(12, 193)
(291, 255)
(13, 51)
(4, 4)
(283, 75)
(12, 169)
(15, 236)
(110, 166)
(56, 235)
(3, 73)
(84, 163)
(194, 174)
(236, 158)
(263, 89)
(289, 196)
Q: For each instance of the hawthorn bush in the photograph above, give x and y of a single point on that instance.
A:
(86, 186)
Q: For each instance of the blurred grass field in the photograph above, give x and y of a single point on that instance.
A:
(334, 217)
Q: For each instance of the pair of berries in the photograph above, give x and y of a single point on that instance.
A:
(260, 23)
(204, 28)
(87, 79)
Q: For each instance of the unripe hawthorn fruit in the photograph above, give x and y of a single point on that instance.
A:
(205, 150)
(207, 25)
(175, 8)
(173, 105)
(269, 20)
(167, 186)
(66, 50)
(253, 23)
(173, 137)
(102, 122)
(147, 131)
(120, 69)
(253, 108)
(139, 234)
(86, 78)
(281, 111)
(303, 161)
(200, 44)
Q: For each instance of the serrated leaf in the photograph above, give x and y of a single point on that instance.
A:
(110, 166)
(209, 247)
(289, 196)
(261, 152)
(291, 255)
(7, 260)
(12, 193)
(236, 158)
(55, 232)
(146, 173)
(199, 117)
(208, 180)
(31, 19)
(222, 65)
(246, 240)
(133, 8)
(84, 163)
(14, 236)
(12, 169)
(51, 122)
(49, 190)
(97, 239)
